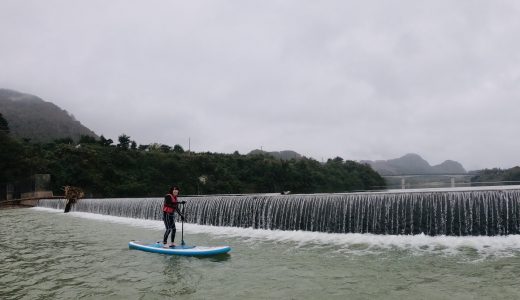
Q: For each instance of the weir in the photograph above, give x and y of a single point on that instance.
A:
(444, 212)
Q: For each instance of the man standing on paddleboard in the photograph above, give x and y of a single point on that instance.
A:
(169, 208)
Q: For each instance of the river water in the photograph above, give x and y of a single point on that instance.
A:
(45, 254)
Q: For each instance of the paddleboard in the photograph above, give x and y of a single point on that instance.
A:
(179, 249)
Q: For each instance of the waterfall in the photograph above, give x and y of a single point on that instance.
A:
(456, 213)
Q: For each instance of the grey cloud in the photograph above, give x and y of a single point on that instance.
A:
(361, 80)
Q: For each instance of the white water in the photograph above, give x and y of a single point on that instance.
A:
(353, 243)
(453, 212)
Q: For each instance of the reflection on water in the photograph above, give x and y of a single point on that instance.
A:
(46, 254)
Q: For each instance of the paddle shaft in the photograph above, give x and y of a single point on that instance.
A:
(182, 225)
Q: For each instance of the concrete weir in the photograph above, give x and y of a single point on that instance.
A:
(27, 202)
(455, 212)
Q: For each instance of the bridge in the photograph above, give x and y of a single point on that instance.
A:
(406, 181)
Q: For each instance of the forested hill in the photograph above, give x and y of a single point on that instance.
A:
(124, 170)
(283, 155)
(104, 169)
(30, 117)
(498, 176)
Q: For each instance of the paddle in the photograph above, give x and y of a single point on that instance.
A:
(182, 223)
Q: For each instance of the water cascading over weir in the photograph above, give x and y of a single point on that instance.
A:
(455, 213)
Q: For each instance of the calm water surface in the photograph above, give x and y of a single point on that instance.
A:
(46, 254)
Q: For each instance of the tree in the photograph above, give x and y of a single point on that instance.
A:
(124, 142)
(145, 172)
(104, 142)
(336, 159)
(66, 140)
(4, 125)
(165, 148)
(87, 139)
(178, 149)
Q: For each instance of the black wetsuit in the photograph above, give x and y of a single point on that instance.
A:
(169, 217)
(169, 223)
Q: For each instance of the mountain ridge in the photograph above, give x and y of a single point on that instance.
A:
(30, 117)
(414, 164)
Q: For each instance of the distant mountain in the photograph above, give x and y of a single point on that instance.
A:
(40, 121)
(283, 155)
(449, 167)
(414, 164)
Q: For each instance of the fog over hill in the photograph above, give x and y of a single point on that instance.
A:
(414, 164)
(283, 155)
(31, 117)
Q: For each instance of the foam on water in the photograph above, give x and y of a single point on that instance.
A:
(481, 246)
(486, 211)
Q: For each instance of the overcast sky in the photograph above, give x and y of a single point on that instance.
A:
(356, 79)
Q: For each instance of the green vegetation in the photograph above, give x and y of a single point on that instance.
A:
(498, 176)
(4, 125)
(125, 170)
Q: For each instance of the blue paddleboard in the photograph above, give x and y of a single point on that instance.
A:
(179, 250)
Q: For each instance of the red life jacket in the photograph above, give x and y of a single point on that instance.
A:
(170, 208)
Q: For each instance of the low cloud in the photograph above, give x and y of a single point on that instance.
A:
(358, 80)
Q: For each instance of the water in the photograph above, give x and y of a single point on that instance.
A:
(46, 254)
(457, 212)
